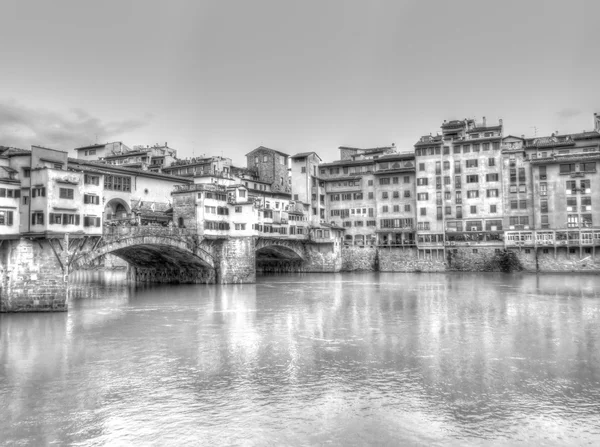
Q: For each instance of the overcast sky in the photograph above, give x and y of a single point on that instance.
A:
(223, 77)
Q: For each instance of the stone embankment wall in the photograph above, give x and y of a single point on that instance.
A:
(359, 259)
(465, 259)
(31, 277)
(398, 259)
(560, 261)
(326, 258)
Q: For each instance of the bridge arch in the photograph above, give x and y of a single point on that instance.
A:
(279, 256)
(157, 252)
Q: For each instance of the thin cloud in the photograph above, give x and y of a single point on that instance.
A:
(22, 126)
(569, 113)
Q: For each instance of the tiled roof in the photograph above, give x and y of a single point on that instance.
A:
(103, 167)
(485, 129)
(91, 146)
(340, 163)
(305, 154)
(341, 179)
(262, 148)
(585, 135)
(453, 124)
(8, 151)
(567, 157)
(553, 141)
(429, 140)
(367, 150)
(397, 156)
(128, 154)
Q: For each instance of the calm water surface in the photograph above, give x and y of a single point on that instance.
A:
(345, 359)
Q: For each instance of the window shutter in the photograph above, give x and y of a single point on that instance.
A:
(97, 221)
(77, 219)
(17, 193)
(9, 220)
(33, 191)
(44, 192)
(65, 218)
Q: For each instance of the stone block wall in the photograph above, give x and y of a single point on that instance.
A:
(236, 261)
(31, 279)
(359, 259)
(323, 258)
(564, 261)
(480, 259)
(184, 207)
(401, 259)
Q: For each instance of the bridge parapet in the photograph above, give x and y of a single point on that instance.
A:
(120, 232)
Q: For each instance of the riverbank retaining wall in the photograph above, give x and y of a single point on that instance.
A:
(468, 259)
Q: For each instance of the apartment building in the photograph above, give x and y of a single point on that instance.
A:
(153, 158)
(199, 166)
(271, 166)
(370, 193)
(10, 196)
(459, 196)
(308, 189)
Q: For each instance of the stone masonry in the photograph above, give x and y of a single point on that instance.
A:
(31, 277)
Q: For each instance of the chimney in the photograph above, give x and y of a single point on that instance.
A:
(522, 136)
(500, 121)
(166, 144)
(484, 124)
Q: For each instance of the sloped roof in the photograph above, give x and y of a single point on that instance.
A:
(305, 154)
(484, 129)
(372, 149)
(397, 156)
(103, 167)
(262, 148)
(91, 146)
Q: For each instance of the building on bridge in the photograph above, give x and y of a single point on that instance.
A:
(153, 158)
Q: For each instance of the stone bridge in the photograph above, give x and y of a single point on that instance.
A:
(157, 254)
(34, 270)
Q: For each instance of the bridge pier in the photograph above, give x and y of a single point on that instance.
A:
(31, 276)
(237, 261)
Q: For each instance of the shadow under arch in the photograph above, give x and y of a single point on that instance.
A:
(151, 253)
(278, 259)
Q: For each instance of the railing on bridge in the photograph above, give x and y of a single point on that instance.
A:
(147, 230)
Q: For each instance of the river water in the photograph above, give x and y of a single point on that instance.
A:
(309, 359)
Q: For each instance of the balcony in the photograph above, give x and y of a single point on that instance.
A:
(480, 237)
